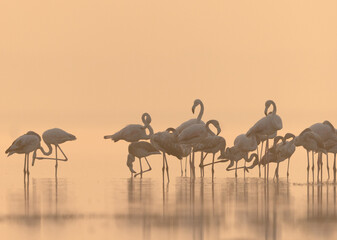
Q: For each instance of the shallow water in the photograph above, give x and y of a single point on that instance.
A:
(125, 208)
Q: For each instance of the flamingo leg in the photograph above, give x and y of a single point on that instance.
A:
(56, 164)
(220, 161)
(213, 166)
(308, 166)
(181, 167)
(267, 160)
(193, 166)
(318, 166)
(201, 162)
(147, 170)
(278, 164)
(334, 168)
(236, 169)
(50, 158)
(288, 168)
(163, 169)
(327, 165)
(28, 164)
(313, 166)
(141, 169)
(167, 169)
(24, 165)
(260, 158)
(185, 165)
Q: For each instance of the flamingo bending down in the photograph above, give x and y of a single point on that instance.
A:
(285, 151)
(133, 132)
(167, 143)
(54, 136)
(26, 144)
(140, 150)
(234, 155)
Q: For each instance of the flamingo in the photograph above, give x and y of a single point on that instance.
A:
(192, 121)
(331, 147)
(26, 144)
(327, 132)
(270, 155)
(54, 136)
(140, 150)
(167, 143)
(267, 125)
(244, 144)
(285, 151)
(234, 155)
(195, 133)
(133, 132)
(310, 142)
(211, 144)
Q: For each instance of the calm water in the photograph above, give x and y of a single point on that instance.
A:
(94, 198)
(43, 208)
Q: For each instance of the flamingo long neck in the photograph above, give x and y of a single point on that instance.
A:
(208, 129)
(201, 111)
(274, 108)
(150, 130)
(50, 149)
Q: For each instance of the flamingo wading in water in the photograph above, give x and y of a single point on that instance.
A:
(26, 144)
(54, 136)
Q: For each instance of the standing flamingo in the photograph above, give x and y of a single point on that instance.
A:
(326, 132)
(192, 121)
(285, 151)
(133, 132)
(211, 144)
(140, 150)
(54, 136)
(194, 134)
(267, 125)
(310, 142)
(167, 143)
(26, 144)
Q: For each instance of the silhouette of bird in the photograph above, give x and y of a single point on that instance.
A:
(326, 132)
(167, 143)
(192, 121)
(54, 136)
(270, 155)
(194, 134)
(211, 144)
(140, 150)
(285, 151)
(133, 132)
(267, 125)
(26, 144)
(234, 155)
(310, 141)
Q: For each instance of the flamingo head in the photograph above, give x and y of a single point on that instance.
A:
(129, 162)
(146, 118)
(195, 104)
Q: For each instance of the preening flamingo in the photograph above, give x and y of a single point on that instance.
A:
(310, 142)
(133, 132)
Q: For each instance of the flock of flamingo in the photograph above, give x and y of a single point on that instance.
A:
(194, 136)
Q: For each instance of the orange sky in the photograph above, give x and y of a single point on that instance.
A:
(70, 63)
